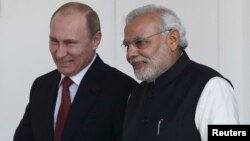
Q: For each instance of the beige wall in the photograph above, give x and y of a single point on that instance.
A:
(217, 30)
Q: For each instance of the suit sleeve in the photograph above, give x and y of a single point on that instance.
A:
(24, 129)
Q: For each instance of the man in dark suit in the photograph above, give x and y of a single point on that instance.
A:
(97, 96)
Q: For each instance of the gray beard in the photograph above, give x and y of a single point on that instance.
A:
(150, 74)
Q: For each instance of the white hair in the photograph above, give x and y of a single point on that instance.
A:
(168, 17)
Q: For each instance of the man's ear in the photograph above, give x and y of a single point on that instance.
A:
(173, 39)
(96, 39)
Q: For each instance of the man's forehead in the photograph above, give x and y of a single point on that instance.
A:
(141, 28)
(145, 20)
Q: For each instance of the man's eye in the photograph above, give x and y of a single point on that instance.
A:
(139, 42)
(53, 42)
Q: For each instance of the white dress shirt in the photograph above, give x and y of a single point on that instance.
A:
(72, 89)
(217, 105)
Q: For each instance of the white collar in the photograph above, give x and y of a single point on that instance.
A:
(79, 76)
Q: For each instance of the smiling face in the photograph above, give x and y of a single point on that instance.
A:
(71, 45)
(158, 53)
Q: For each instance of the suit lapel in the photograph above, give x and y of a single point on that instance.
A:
(85, 99)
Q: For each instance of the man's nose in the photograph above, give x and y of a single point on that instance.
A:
(132, 51)
(61, 51)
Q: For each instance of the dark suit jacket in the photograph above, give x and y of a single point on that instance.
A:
(96, 113)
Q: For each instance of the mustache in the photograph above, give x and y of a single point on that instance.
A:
(138, 59)
(64, 59)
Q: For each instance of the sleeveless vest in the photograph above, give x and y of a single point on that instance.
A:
(165, 110)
